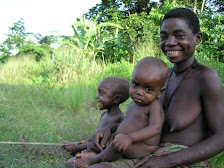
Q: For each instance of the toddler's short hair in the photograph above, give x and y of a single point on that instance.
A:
(119, 86)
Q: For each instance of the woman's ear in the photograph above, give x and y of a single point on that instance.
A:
(117, 98)
(161, 91)
(198, 37)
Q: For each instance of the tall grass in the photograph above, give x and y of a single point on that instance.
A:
(54, 100)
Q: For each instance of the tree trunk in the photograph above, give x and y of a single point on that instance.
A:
(202, 6)
(195, 6)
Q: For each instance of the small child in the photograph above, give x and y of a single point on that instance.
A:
(112, 91)
(139, 133)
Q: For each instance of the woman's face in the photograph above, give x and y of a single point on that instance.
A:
(177, 40)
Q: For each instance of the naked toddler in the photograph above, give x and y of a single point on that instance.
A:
(112, 91)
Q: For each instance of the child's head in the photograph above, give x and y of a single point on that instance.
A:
(147, 80)
(112, 91)
(188, 15)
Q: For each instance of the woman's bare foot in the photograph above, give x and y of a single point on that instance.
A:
(85, 154)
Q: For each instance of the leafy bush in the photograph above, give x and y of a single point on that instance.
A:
(213, 37)
(115, 50)
(37, 51)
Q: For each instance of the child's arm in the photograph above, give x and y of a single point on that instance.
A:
(156, 119)
(102, 136)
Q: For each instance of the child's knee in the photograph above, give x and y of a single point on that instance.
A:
(70, 163)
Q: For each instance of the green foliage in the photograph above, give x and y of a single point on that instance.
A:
(91, 36)
(3, 58)
(115, 50)
(37, 51)
(213, 37)
(47, 40)
(17, 34)
(16, 38)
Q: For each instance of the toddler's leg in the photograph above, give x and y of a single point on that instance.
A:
(138, 150)
(70, 163)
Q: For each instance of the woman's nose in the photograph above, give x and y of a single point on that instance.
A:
(171, 41)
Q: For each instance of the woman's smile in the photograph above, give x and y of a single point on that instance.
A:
(173, 53)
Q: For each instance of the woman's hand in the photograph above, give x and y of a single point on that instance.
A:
(152, 162)
(142, 162)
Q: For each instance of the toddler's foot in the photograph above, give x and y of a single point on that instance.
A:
(85, 154)
(71, 147)
(84, 162)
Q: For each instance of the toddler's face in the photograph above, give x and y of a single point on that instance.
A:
(105, 96)
(145, 86)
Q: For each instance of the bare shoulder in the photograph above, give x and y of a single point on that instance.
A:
(206, 72)
(156, 106)
(119, 117)
(156, 110)
(210, 80)
(103, 114)
(130, 106)
(156, 114)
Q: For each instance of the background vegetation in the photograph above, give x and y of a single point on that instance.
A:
(48, 84)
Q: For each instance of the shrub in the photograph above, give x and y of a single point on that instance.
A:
(37, 51)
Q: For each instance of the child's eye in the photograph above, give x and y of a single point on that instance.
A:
(100, 92)
(134, 84)
(148, 89)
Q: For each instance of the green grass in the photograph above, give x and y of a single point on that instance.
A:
(23, 112)
(42, 115)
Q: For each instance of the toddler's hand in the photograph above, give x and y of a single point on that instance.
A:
(121, 142)
(82, 142)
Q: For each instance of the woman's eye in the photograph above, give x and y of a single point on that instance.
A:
(163, 37)
(180, 36)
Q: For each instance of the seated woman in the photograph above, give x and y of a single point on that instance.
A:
(193, 101)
